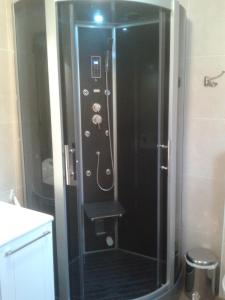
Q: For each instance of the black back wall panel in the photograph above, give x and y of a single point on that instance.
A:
(95, 42)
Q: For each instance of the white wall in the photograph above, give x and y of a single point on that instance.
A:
(10, 144)
(204, 134)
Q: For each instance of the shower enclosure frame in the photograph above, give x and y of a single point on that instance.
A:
(58, 143)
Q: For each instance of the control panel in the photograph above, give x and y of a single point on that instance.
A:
(96, 67)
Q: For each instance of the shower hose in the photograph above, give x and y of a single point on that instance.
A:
(98, 153)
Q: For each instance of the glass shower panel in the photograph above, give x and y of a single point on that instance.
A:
(34, 104)
(137, 111)
(142, 110)
(137, 117)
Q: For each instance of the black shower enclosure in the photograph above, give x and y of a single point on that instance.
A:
(101, 119)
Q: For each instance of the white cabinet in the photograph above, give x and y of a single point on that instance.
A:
(26, 264)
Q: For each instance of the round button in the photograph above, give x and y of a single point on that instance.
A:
(109, 241)
(88, 173)
(85, 92)
(96, 107)
(108, 172)
(87, 133)
(97, 119)
(107, 92)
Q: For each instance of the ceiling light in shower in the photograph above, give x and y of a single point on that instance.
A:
(124, 29)
(98, 18)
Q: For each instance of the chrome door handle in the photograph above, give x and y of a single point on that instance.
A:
(165, 147)
(162, 146)
(69, 165)
(11, 252)
(164, 168)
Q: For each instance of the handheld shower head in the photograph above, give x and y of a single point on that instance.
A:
(109, 44)
(107, 56)
(108, 51)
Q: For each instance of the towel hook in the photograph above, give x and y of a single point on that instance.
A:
(209, 81)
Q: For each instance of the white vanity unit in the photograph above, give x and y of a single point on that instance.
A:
(26, 254)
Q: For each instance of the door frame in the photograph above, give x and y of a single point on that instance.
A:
(57, 149)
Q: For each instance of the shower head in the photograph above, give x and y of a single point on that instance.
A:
(109, 44)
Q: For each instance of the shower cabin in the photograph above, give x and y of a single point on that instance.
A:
(100, 86)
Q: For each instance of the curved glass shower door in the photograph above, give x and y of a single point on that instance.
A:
(142, 114)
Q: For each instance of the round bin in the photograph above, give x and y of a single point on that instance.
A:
(200, 277)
